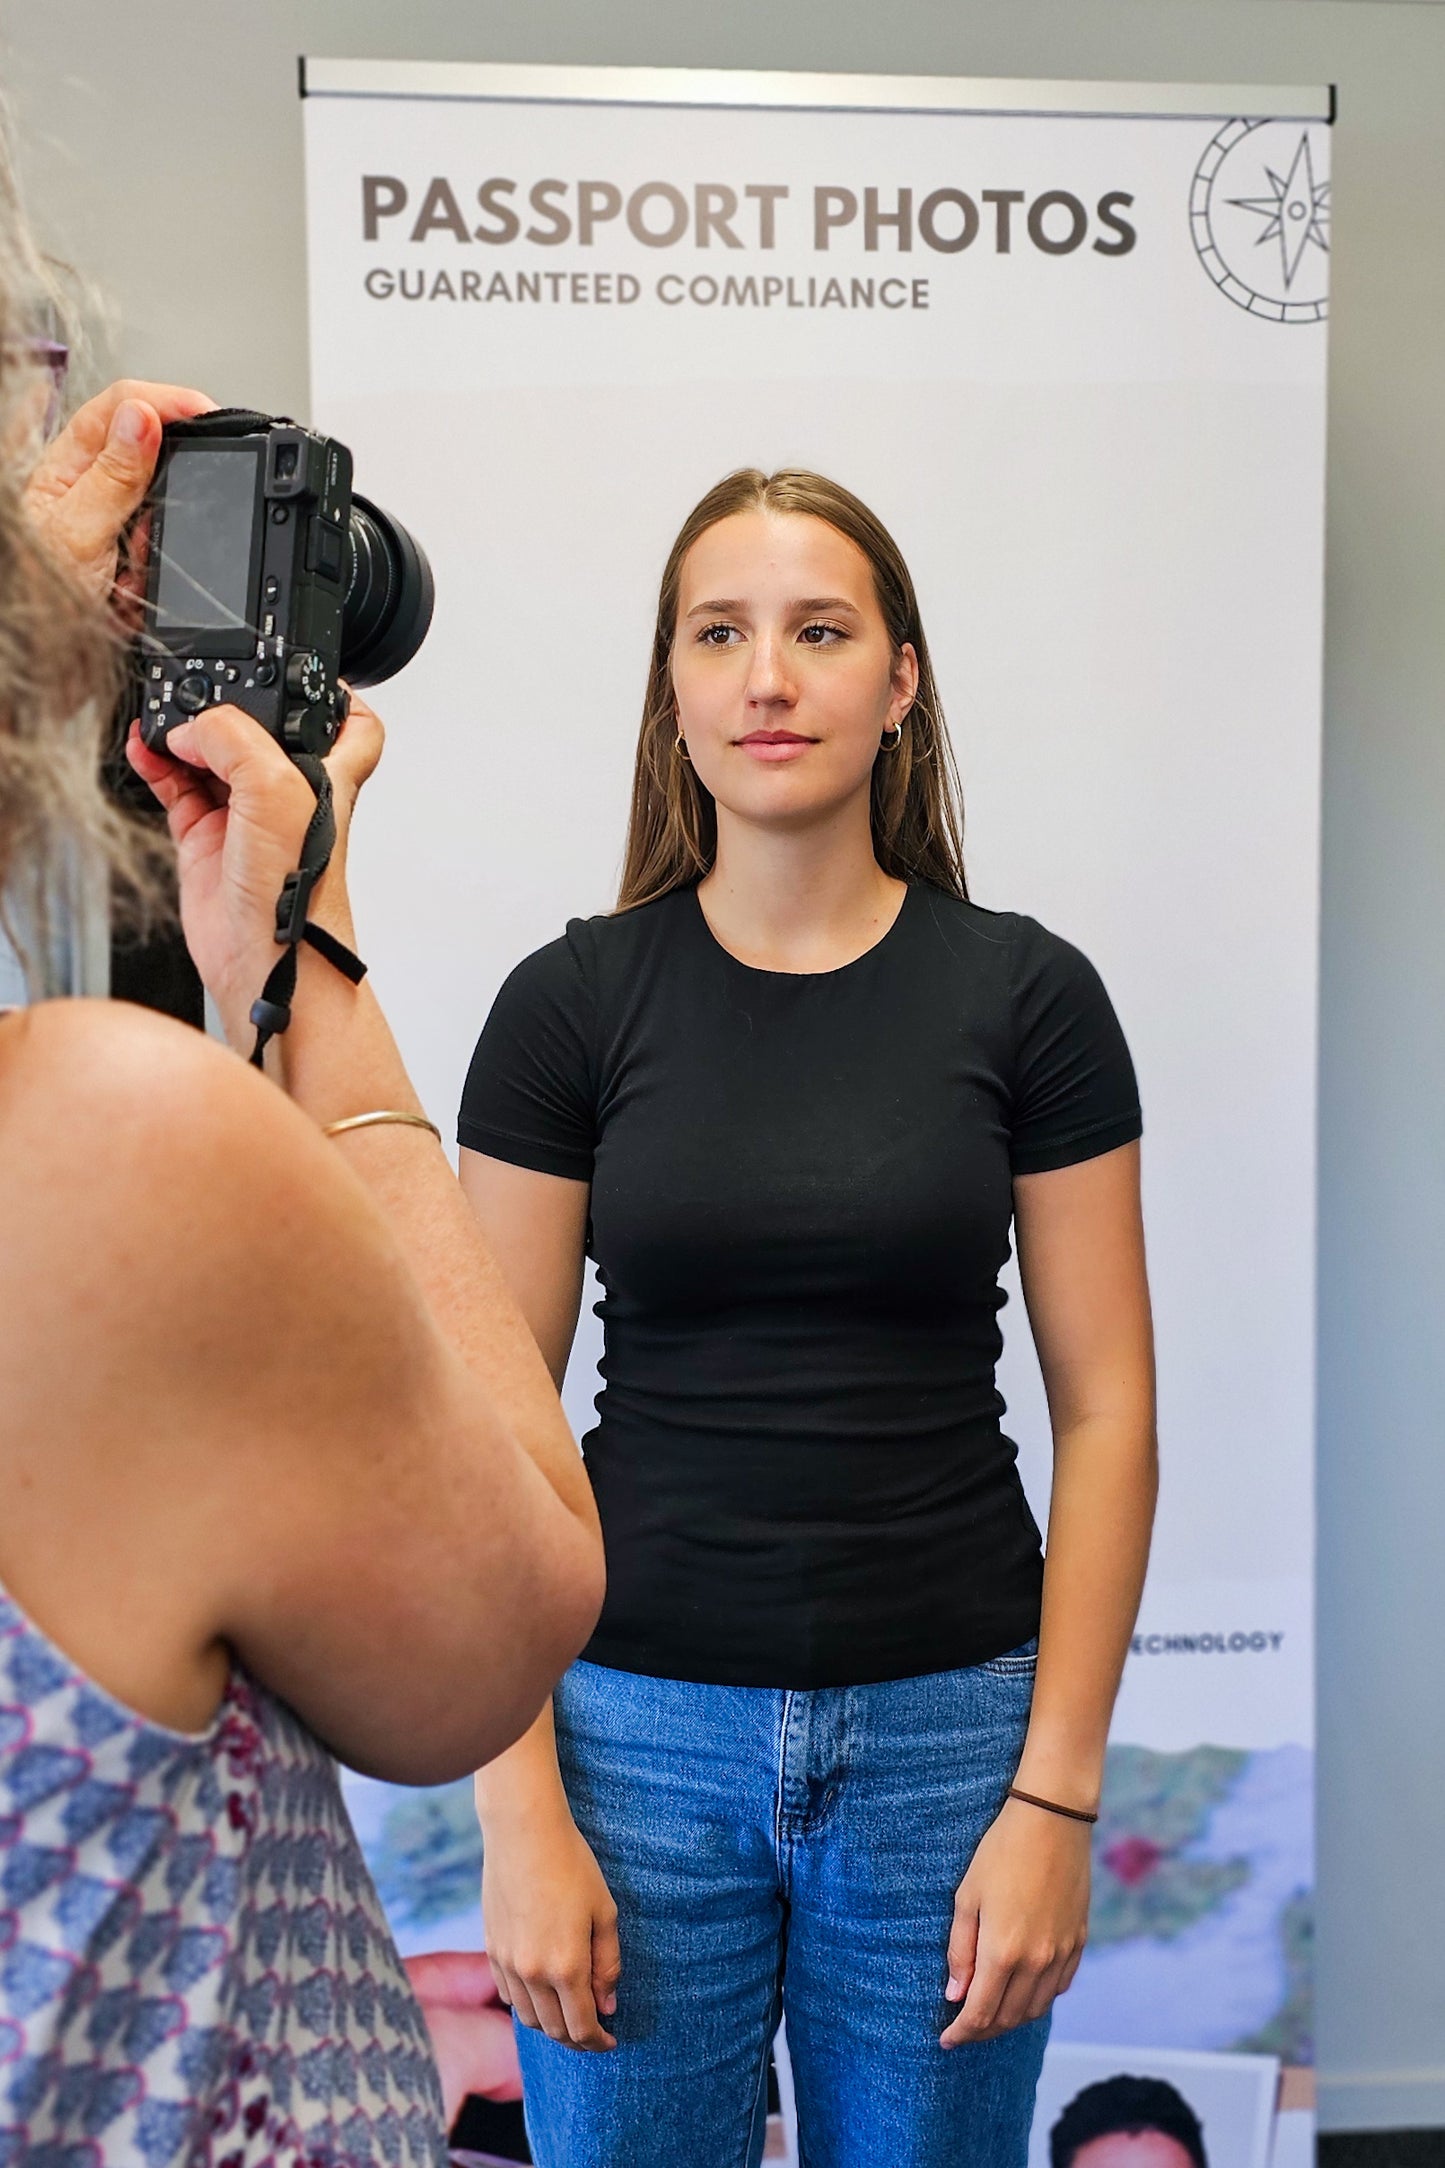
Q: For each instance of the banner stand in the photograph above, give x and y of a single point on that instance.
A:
(1068, 340)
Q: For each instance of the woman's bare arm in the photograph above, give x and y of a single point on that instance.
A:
(1081, 1260)
(1022, 1909)
(231, 1417)
(535, 1225)
(237, 809)
(299, 1360)
(550, 1918)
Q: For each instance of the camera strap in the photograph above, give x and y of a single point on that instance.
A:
(271, 1014)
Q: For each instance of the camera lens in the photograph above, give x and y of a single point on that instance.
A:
(389, 595)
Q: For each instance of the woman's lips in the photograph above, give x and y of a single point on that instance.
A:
(774, 745)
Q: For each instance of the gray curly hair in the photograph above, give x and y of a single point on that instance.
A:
(61, 655)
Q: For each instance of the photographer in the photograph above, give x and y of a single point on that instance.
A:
(280, 1463)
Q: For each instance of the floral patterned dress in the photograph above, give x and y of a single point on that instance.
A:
(194, 1966)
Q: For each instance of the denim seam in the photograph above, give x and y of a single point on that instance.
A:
(781, 1776)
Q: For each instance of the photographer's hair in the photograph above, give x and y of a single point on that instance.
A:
(1125, 2107)
(60, 656)
(917, 807)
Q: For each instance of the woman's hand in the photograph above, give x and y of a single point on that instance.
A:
(90, 482)
(471, 2033)
(238, 810)
(1019, 1922)
(551, 1930)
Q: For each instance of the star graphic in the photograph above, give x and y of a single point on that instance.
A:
(1297, 211)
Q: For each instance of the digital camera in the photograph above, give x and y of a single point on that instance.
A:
(267, 581)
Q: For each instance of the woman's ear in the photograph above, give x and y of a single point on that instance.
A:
(905, 683)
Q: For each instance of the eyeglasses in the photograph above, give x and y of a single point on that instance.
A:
(53, 357)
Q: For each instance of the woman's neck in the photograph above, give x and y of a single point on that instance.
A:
(799, 902)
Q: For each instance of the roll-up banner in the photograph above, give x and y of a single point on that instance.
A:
(1068, 340)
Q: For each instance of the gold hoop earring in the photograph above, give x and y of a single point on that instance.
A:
(891, 745)
(679, 746)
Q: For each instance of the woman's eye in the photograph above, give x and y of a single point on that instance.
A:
(821, 635)
(716, 635)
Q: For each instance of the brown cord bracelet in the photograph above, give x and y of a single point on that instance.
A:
(1051, 1806)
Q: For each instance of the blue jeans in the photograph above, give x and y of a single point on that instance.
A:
(776, 1853)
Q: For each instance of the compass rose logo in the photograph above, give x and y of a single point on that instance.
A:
(1260, 215)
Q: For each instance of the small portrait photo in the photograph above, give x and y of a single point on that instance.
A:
(1110, 2107)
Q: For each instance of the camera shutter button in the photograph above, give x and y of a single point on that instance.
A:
(193, 693)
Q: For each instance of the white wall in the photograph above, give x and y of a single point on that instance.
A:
(163, 144)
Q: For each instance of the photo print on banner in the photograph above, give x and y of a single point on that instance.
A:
(1069, 341)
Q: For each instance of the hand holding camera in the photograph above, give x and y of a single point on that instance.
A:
(238, 809)
(254, 578)
(88, 484)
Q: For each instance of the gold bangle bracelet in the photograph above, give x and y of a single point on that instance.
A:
(375, 1120)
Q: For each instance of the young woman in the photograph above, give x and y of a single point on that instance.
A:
(790, 1097)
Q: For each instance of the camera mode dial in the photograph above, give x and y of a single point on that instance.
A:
(306, 678)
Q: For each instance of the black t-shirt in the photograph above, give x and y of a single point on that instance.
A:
(801, 1202)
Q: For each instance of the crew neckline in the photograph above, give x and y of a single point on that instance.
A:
(761, 971)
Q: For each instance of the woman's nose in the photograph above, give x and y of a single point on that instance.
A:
(769, 678)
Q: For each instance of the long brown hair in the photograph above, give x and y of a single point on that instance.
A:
(916, 801)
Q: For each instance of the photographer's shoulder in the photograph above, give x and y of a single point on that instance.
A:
(126, 1089)
(135, 1152)
(145, 1182)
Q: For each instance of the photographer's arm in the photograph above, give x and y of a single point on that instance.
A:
(230, 1419)
(407, 1517)
(237, 808)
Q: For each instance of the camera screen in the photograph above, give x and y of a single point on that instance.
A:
(204, 577)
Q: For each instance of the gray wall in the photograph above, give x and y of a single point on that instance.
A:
(163, 145)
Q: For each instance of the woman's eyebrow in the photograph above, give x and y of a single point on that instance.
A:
(729, 605)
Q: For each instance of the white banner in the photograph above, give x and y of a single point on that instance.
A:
(1068, 341)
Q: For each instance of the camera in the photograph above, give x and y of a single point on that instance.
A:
(267, 581)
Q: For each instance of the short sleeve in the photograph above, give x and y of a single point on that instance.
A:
(529, 1096)
(1075, 1093)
